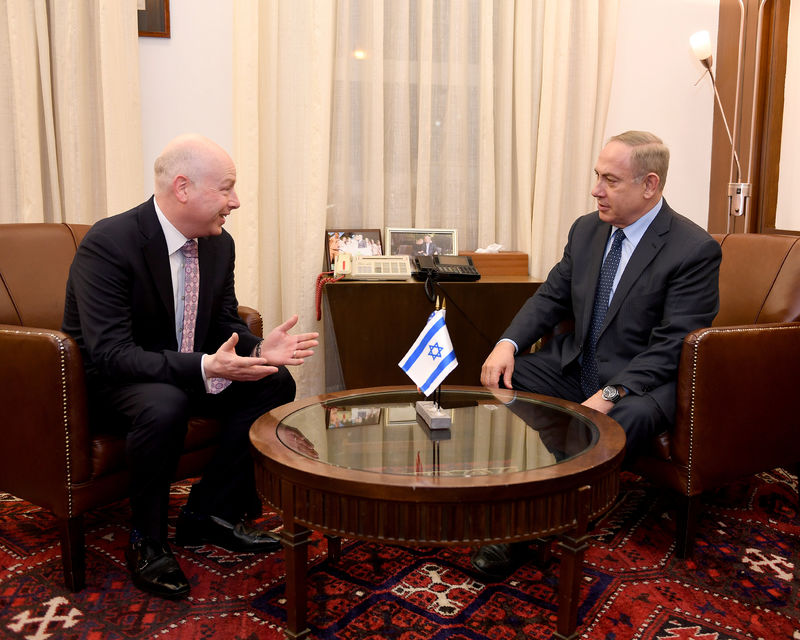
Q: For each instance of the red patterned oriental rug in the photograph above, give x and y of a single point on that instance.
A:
(742, 582)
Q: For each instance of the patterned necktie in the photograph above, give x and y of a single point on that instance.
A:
(590, 377)
(191, 288)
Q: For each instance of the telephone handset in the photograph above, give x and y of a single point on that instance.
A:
(342, 265)
(441, 268)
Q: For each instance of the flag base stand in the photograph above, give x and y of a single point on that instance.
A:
(433, 415)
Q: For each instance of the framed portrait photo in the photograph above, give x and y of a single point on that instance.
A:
(337, 417)
(421, 242)
(153, 18)
(356, 242)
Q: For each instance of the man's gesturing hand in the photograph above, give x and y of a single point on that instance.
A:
(226, 363)
(279, 347)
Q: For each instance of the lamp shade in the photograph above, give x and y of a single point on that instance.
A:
(701, 45)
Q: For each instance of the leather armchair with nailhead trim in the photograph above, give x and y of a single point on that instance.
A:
(737, 410)
(48, 455)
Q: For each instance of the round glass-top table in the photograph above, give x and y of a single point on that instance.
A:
(510, 466)
(380, 433)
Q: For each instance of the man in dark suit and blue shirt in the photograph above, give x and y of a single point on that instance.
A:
(430, 248)
(125, 309)
(635, 277)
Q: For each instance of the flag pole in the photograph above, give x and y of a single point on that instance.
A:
(429, 360)
(436, 391)
(444, 311)
(437, 395)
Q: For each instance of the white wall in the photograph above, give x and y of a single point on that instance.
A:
(186, 85)
(787, 213)
(186, 80)
(653, 90)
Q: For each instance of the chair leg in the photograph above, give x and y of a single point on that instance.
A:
(686, 524)
(73, 552)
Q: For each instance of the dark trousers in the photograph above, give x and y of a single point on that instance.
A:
(639, 415)
(155, 418)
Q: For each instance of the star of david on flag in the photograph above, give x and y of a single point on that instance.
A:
(431, 358)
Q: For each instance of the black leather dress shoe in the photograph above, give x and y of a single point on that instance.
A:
(498, 561)
(194, 529)
(155, 570)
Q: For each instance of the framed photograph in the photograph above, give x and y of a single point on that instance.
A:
(337, 417)
(421, 242)
(356, 242)
(154, 18)
(401, 414)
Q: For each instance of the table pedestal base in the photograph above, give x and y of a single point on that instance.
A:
(573, 545)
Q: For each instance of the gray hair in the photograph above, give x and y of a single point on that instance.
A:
(649, 154)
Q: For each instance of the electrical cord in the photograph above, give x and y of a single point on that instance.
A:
(432, 283)
(322, 279)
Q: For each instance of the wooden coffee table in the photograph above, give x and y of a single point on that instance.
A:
(358, 464)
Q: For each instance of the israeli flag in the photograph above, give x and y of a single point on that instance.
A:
(431, 359)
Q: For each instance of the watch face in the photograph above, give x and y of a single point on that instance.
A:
(610, 393)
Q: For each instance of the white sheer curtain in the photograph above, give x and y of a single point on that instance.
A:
(476, 115)
(69, 123)
(283, 57)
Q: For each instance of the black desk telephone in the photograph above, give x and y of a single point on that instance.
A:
(443, 268)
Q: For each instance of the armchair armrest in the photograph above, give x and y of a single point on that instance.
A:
(736, 405)
(44, 428)
(252, 318)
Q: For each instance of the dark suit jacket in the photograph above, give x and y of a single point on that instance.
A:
(119, 303)
(669, 288)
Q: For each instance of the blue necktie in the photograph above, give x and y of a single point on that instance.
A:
(590, 378)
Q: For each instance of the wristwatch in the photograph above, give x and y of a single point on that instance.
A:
(611, 393)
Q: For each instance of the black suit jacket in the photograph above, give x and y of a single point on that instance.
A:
(120, 309)
(669, 288)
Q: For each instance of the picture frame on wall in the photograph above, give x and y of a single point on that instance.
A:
(356, 242)
(153, 18)
(421, 242)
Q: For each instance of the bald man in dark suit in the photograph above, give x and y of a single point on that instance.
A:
(664, 285)
(147, 372)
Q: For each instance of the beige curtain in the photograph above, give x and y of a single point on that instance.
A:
(283, 57)
(576, 62)
(69, 123)
(476, 115)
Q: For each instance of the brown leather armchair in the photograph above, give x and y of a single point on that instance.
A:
(737, 411)
(48, 456)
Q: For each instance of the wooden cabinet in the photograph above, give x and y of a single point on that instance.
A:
(369, 326)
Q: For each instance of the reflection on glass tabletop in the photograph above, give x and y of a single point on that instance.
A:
(383, 433)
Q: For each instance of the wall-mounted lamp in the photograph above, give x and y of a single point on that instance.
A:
(738, 191)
